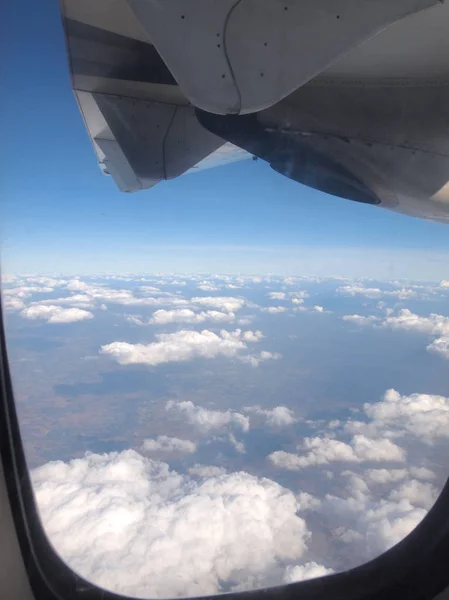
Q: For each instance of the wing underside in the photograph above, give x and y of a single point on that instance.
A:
(333, 94)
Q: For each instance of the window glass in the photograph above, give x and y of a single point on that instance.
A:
(226, 382)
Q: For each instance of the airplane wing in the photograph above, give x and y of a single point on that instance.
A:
(347, 96)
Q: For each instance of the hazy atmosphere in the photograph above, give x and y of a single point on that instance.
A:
(241, 430)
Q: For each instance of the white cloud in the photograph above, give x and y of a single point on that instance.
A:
(186, 315)
(277, 416)
(382, 476)
(182, 346)
(252, 336)
(423, 416)
(223, 303)
(206, 419)
(76, 300)
(205, 286)
(76, 285)
(309, 570)
(405, 320)
(207, 471)
(102, 293)
(440, 346)
(360, 320)
(236, 444)
(444, 284)
(274, 309)
(255, 359)
(374, 293)
(418, 493)
(128, 523)
(366, 527)
(13, 304)
(277, 295)
(164, 443)
(55, 314)
(298, 296)
(319, 308)
(324, 450)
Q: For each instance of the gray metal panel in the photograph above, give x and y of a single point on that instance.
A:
(110, 15)
(149, 141)
(242, 56)
(156, 92)
(189, 35)
(116, 164)
(392, 135)
(275, 47)
(140, 128)
(415, 47)
(187, 143)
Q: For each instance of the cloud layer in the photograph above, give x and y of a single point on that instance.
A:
(129, 523)
(181, 346)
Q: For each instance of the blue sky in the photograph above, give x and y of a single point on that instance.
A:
(61, 214)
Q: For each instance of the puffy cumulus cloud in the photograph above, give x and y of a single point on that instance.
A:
(76, 300)
(255, 359)
(276, 417)
(440, 346)
(136, 320)
(252, 336)
(238, 446)
(128, 523)
(361, 320)
(374, 293)
(316, 308)
(164, 443)
(405, 320)
(309, 570)
(277, 295)
(7, 278)
(273, 310)
(103, 293)
(206, 419)
(13, 304)
(47, 281)
(182, 345)
(422, 416)
(55, 314)
(382, 476)
(25, 291)
(222, 303)
(297, 301)
(444, 284)
(206, 470)
(363, 512)
(363, 527)
(76, 285)
(324, 450)
(208, 287)
(301, 295)
(186, 315)
(418, 493)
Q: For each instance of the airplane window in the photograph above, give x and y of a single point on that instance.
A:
(236, 377)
